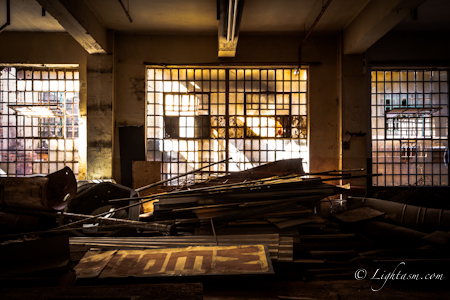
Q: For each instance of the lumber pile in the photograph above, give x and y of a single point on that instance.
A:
(274, 199)
(280, 248)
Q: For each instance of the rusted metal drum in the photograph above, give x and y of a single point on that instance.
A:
(51, 192)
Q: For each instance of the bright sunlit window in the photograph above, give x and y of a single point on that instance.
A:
(410, 127)
(39, 120)
(198, 116)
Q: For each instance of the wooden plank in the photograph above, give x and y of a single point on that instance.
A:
(145, 173)
(93, 263)
(191, 261)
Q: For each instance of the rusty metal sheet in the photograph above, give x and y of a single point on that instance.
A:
(190, 261)
(93, 263)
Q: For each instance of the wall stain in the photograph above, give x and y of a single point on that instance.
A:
(138, 85)
(99, 107)
(100, 144)
(99, 70)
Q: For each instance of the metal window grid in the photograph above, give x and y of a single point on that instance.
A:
(409, 117)
(253, 115)
(37, 144)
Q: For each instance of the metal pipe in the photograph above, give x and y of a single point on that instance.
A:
(316, 21)
(8, 16)
(230, 4)
(150, 198)
(126, 11)
(410, 216)
(176, 177)
(128, 223)
(310, 30)
(351, 177)
(233, 30)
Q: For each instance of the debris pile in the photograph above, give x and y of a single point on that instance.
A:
(304, 225)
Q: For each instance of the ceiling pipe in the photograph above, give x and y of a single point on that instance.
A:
(309, 32)
(230, 5)
(8, 16)
(126, 11)
(230, 14)
(233, 30)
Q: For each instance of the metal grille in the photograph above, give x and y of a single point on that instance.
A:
(39, 120)
(410, 127)
(198, 116)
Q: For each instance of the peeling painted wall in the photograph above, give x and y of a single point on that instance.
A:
(99, 116)
(113, 86)
(132, 51)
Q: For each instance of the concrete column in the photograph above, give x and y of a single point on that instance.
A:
(354, 115)
(100, 116)
(324, 109)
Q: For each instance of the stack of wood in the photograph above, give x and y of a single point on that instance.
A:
(280, 248)
(285, 202)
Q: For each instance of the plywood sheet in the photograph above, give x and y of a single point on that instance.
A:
(190, 261)
(145, 173)
(93, 263)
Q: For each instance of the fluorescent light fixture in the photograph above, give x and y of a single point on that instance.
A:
(37, 110)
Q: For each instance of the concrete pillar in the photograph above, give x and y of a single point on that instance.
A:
(354, 115)
(100, 116)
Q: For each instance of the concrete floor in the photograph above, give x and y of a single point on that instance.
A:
(328, 289)
(237, 288)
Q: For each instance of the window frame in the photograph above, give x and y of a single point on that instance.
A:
(406, 160)
(223, 111)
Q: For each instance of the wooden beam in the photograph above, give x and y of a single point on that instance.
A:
(376, 19)
(80, 23)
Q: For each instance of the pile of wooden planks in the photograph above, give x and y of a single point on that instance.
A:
(280, 247)
(275, 200)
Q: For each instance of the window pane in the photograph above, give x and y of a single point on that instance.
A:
(39, 128)
(412, 126)
(253, 115)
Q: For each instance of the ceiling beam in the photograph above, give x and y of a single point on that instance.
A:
(80, 22)
(376, 19)
(230, 15)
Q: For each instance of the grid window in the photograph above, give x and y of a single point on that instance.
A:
(39, 120)
(196, 117)
(409, 115)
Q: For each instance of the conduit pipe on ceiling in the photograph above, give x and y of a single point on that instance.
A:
(309, 32)
(233, 30)
(8, 16)
(230, 5)
(126, 11)
(232, 19)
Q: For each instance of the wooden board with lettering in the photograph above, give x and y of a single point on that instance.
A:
(190, 261)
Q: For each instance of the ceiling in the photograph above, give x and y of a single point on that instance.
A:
(201, 17)
(192, 16)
